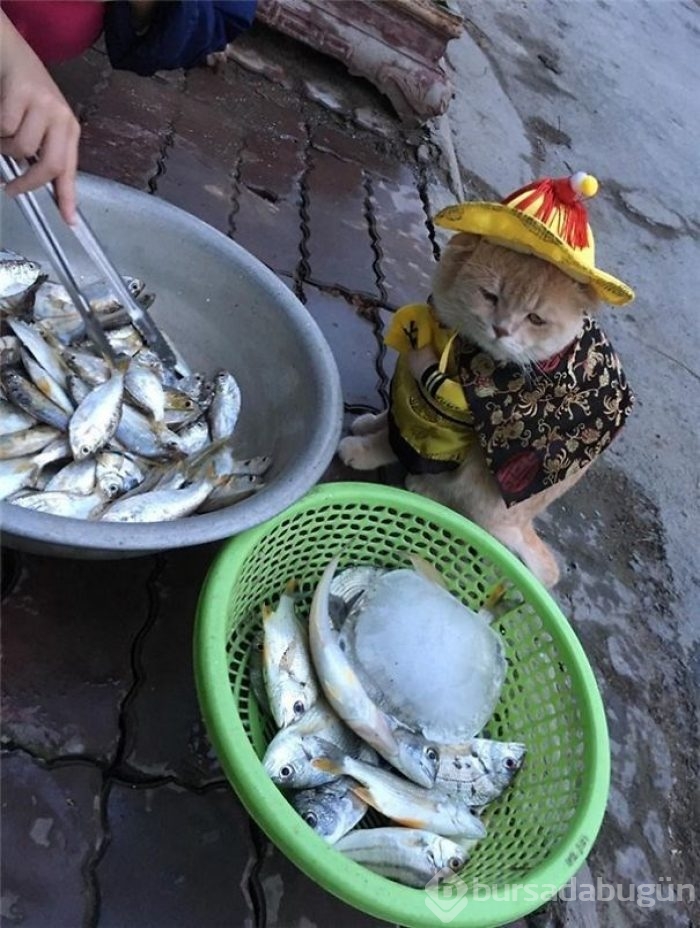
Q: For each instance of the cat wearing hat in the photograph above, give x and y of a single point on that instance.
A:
(506, 389)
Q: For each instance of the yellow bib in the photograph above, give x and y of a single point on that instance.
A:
(431, 424)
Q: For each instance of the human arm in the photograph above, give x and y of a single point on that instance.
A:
(141, 14)
(146, 37)
(36, 120)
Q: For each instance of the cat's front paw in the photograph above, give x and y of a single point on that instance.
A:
(353, 451)
(369, 424)
(365, 424)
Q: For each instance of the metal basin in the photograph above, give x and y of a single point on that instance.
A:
(222, 308)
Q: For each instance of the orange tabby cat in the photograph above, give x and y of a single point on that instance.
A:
(517, 308)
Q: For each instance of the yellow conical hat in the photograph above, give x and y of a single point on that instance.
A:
(546, 219)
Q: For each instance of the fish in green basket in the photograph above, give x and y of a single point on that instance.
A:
(411, 856)
(289, 757)
(402, 801)
(256, 674)
(409, 752)
(389, 670)
(479, 770)
(332, 809)
(290, 680)
(348, 589)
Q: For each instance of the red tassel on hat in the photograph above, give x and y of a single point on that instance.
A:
(558, 196)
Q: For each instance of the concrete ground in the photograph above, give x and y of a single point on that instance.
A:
(309, 170)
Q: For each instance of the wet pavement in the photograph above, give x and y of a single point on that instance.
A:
(115, 811)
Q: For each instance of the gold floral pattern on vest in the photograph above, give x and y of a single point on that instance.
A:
(541, 425)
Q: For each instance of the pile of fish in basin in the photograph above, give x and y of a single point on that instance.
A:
(379, 698)
(122, 441)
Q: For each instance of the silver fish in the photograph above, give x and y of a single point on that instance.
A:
(26, 442)
(252, 467)
(19, 279)
(144, 387)
(76, 477)
(137, 435)
(117, 474)
(407, 855)
(44, 381)
(290, 680)
(52, 299)
(256, 677)
(171, 478)
(22, 472)
(9, 350)
(57, 503)
(195, 386)
(101, 298)
(88, 367)
(13, 420)
(64, 330)
(411, 753)
(201, 464)
(479, 770)
(152, 475)
(96, 419)
(404, 802)
(51, 378)
(175, 399)
(46, 355)
(24, 394)
(225, 406)
(125, 340)
(70, 329)
(77, 388)
(332, 809)
(349, 588)
(177, 419)
(289, 757)
(232, 490)
(159, 505)
(193, 437)
(148, 358)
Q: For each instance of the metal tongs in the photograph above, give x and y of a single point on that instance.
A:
(140, 318)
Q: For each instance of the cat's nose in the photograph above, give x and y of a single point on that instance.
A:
(500, 332)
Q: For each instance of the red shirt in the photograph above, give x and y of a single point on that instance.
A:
(57, 29)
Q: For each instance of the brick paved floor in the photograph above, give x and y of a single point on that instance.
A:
(115, 811)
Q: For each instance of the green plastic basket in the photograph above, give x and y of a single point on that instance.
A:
(541, 829)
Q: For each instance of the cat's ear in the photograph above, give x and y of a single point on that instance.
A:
(464, 242)
(456, 253)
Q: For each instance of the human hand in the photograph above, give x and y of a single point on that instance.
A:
(35, 120)
(142, 13)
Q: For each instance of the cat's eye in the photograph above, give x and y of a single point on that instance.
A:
(489, 295)
(535, 319)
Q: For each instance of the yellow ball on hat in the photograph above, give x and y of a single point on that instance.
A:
(548, 219)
